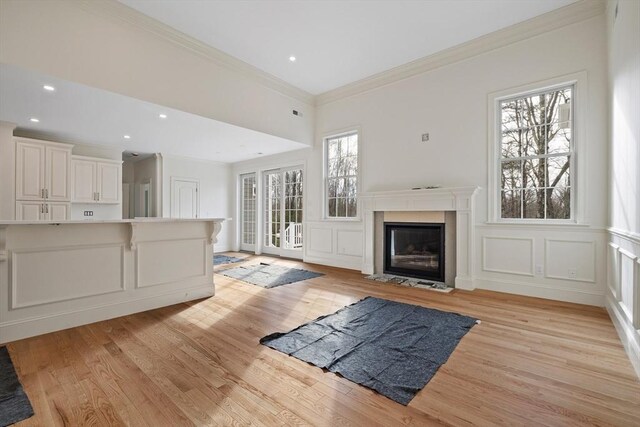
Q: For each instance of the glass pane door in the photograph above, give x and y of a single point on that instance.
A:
(283, 191)
(273, 209)
(292, 221)
(248, 209)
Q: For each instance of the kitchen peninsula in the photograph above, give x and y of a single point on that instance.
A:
(56, 275)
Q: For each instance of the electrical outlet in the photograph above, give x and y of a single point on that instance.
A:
(572, 273)
(539, 270)
(425, 137)
(88, 213)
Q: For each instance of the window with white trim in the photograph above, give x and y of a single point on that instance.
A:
(536, 155)
(341, 175)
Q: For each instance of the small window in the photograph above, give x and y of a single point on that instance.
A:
(535, 142)
(341, 175)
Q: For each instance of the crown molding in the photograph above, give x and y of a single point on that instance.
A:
(115, 10)
(570, 14)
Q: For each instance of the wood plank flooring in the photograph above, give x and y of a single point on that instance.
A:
(530, 362)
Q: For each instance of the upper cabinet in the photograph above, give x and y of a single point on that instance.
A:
(42, 171)
(96, 180)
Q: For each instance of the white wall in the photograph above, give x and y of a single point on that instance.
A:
(451, 104)
(7, 171)
(623, 292)
(107, 45)
(215, 191)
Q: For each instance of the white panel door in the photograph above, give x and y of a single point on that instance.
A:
(58, 211)
(30, 180)
(84, 181)
(58, 162)
(29, 211)
(184, 198)
(109, 182)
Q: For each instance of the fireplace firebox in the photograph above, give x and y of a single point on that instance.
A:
(414, 250)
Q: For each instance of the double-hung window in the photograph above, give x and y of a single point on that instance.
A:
(341, 175)
(536, 155)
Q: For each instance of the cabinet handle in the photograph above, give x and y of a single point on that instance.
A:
(42, 208)
(46, 207)
(46, 193)
(98, 196)
(42, 193)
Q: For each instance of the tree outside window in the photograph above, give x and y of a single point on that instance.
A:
(535, 155)
(342, 176)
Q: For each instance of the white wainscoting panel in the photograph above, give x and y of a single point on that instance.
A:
(167, 261)
(534, 260)
(320, 240)
(334, 243)
(564, 256)
(509, 255)
(63, 273)
(623, 291)
(349, 242)
(627, 280)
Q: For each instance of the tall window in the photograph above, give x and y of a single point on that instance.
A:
(341, 179)
(536, 153)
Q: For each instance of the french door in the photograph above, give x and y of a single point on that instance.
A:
(283, 210)
(248, 211)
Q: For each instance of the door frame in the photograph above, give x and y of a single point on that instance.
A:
(280, 251)
(173, 180)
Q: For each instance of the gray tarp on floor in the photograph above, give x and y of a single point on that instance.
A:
(391, 347)
(269, 276)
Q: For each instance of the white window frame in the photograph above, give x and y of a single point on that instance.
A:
(578, 148)
(325, 174)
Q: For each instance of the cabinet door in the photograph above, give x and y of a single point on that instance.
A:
(109, 182)
(29, 211)
(84, 181)
(30, 181)
(58, 162)
(58, 211)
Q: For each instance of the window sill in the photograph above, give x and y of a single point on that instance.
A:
(356, 219)
(535, 223)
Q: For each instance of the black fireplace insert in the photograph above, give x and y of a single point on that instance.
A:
(414, 250)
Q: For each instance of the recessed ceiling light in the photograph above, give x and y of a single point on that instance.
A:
(49, 88)
(34, 120)
(260, 153)
(292, 58)
(162, 116)
(127, 137)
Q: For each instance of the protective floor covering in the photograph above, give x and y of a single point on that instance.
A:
(269, 276)
(390, 347)
(225, 259)
(14, 403)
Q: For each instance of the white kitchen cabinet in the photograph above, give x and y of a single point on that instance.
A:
(42, 211)
(109, 179)
(96, 180)
(83, 180)
(42, 170)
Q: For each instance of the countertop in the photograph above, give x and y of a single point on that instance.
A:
(114, 221)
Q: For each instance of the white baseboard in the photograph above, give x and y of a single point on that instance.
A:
(25, 328)
(547, 292)
(629, 336)
(342, 262)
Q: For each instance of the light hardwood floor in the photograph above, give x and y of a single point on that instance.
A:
(530, 362)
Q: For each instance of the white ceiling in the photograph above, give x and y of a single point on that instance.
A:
(337, 42)
(78, 113)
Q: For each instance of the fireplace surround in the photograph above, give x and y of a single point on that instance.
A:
(457, 199)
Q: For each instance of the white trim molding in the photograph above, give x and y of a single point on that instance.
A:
(117, 11)
(458, 199)
(554, 20)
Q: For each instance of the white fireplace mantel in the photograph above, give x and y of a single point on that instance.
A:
(458, 199)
